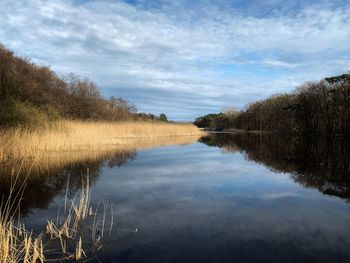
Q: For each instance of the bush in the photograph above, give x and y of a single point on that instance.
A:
(52, 114)
(163, 117)
(14, 113)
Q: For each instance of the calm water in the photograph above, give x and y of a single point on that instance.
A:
(226, 198)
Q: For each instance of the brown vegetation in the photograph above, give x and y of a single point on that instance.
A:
(93, 138)
(61, 240)
(313, 108)
(16, 243)
(33, 96)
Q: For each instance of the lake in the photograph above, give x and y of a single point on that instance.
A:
(224, 198)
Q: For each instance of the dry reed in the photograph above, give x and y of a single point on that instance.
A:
(45, 151)
(47, 163)
(71, 136)
(17, 244)
(80, 213)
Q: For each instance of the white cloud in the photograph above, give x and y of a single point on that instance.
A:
(178, 50)
(279, 63)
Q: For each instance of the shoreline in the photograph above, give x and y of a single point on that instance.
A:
(78, 136)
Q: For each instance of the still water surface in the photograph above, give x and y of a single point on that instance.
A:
(225, 198)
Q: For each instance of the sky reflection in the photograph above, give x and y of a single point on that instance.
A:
(200, 204)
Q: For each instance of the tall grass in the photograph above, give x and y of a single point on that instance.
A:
(16, 243)
(47, 163)
(77, 136)
(59, 241)
(80, 227)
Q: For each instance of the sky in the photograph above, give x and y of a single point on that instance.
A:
(183, 58)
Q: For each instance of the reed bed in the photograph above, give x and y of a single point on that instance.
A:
(61, 240)
(80, 228)
(17, 244)
(48, 162)
(69, 136)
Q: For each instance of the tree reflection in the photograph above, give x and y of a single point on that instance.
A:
(322, 163)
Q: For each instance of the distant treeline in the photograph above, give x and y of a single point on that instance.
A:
(33, 95)
(315, 107)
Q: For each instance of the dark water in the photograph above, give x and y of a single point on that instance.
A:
(226, 198)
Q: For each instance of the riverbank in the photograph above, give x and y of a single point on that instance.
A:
(232, 130)
(70, 136)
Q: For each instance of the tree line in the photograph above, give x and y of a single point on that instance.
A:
(321, 107)
(32, 94)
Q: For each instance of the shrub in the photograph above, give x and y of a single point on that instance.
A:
(14, 113)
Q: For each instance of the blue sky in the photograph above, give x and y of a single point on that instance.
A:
(183, 58)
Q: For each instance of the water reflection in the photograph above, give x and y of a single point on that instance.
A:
(47, 177)
(234, 202)
(322, 163)
(43, 185)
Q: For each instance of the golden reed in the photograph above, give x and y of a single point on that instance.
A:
(72, 141)
(18, 244)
